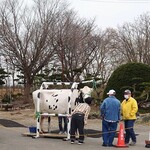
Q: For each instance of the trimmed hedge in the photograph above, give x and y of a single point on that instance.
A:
(125, 76)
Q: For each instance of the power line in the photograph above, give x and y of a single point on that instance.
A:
(119, 1)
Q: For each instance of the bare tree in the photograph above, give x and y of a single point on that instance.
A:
(107, 57)
(26, 36)
(134, 39)
(75, 48)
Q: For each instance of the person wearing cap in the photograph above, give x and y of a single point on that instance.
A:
(129, 109)
(79, 119)
(110, 115)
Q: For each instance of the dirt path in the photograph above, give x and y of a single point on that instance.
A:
(27, 118)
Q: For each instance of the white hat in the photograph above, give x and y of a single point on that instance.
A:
(111, 92)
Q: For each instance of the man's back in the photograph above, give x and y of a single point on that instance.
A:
(110, 109)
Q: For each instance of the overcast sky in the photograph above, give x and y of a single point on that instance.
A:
(110, 13)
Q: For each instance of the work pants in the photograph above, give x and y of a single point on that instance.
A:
(129, 124)
(60, 122)
(77, 123)
(108, 132)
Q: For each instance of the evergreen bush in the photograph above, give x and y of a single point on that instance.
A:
(128, 76)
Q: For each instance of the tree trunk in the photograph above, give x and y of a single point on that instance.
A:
(27, 96)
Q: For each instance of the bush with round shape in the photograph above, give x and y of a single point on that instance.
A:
(128, 76)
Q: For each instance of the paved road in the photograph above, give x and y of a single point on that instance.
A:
(11, 139)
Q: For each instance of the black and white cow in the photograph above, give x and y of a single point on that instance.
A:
(58, 101)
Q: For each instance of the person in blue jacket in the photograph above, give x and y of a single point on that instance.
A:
(110, 115)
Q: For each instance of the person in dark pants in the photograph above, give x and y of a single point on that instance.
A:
(110, 115)
(79, 119)
(129, 110)
(61, 119)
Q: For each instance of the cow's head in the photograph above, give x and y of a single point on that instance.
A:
(84, 95)
(86, 92)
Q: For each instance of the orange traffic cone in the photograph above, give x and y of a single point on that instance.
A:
(121, 142)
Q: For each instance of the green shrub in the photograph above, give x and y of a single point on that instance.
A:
(129, 76)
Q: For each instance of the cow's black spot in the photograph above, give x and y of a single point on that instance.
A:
(55, 95)
(69, 110)
(76, 101)
(46, 100)
(55, 107)
(68, 98)
(56, 100)
(38, 95)
(50, 107)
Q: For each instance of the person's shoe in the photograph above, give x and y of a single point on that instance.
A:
(132, 143)
(111, 145)
(127, 144)
(72, 141)
(80, 142)
(104, 145)
(65, 132)
(60, 132)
